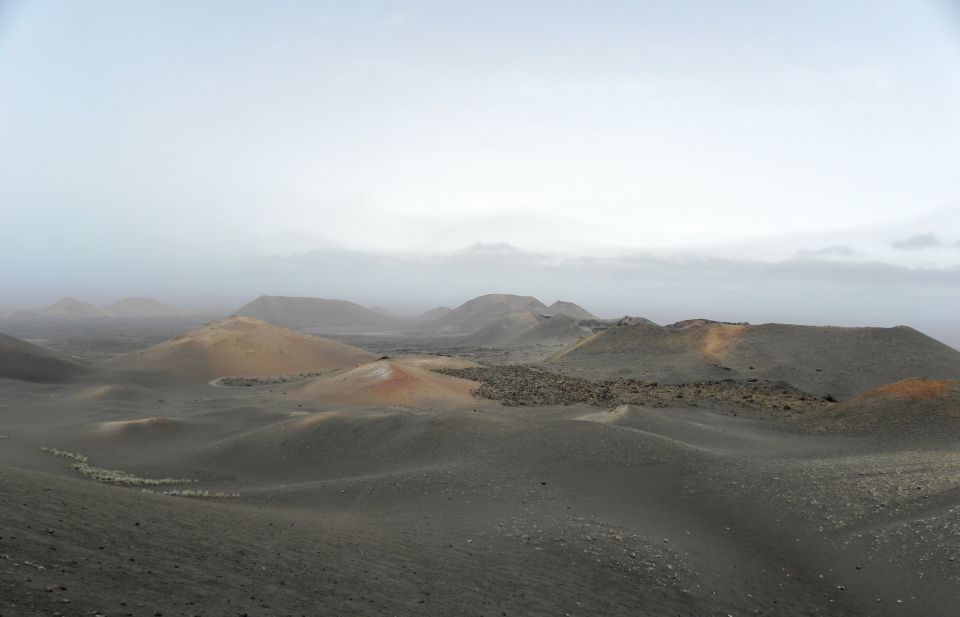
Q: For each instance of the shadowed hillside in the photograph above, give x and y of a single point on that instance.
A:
(483, 311)
(28, 362)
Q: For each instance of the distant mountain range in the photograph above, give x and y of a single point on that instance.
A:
(71, 308)
(486, 310)
(342, 317)
(334, 316)
(318, 314)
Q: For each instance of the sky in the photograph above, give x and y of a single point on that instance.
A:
(751, 160)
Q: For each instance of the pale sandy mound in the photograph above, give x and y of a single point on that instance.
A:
(607, 416)
(429, 363)
(391, 383)
(313, 420)
(243, 346)
(142, 427)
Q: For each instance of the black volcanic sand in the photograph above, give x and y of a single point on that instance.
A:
(552, 510)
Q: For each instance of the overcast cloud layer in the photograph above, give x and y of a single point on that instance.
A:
(749, 161)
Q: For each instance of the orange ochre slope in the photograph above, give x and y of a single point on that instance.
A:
(400, 382)
(913, 390)
(244, 346)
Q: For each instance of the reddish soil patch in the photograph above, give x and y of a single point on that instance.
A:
(914, 389)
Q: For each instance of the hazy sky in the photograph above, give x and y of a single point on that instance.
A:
(223, 149)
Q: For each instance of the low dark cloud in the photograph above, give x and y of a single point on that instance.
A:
(829, 252)
(918, 242)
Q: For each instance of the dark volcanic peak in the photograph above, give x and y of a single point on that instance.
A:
(318, 314)
(569, 308)
(841, 362)
(384, 311)
(435, 314)
(485, 310)
(24, 314)
(29, 362)
(71, 307)
(510, 303)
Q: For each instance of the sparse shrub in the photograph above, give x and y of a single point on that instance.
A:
(111, 476)
(194, 493)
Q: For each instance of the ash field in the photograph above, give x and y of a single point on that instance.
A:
(303, 456)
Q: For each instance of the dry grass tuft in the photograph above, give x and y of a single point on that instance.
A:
(195, 493)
